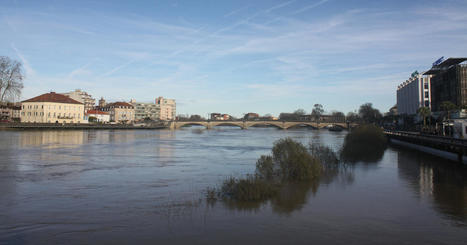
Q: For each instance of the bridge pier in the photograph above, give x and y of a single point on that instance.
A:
(172, 125)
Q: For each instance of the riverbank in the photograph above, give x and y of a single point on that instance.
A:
(452, 149)
(48, 126)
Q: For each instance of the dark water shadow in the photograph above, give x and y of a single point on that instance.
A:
(442, 181)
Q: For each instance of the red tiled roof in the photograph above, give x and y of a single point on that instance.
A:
(97, 112)
(53, 97)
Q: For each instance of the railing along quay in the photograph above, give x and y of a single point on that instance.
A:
(448, 144)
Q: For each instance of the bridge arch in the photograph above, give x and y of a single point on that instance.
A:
(301, 124)
(340, 125)
(181, 124)
(235, 124)
(265, 123)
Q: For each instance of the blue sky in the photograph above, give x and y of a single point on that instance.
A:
(231, 56)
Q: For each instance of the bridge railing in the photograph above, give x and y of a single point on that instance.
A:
(433, 138)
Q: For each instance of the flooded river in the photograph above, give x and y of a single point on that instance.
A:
(149, 187)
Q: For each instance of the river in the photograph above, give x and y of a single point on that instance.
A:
(149, 187)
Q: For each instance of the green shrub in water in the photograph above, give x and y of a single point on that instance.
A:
(293, 161)
(250, 188)
(290, 162)
(365, 143)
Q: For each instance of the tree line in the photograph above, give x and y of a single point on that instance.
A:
(366, 114)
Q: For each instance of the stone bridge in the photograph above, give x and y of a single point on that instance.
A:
(247, 124)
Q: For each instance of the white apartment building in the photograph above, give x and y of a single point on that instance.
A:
(168, 108)
(83, 97)
(413, 94)
(146, 110)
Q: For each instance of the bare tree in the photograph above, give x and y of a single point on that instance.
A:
(11, 78)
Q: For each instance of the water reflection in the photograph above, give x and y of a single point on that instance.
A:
(52, 139)
(294, 196)
(438, 180)
(121, 187)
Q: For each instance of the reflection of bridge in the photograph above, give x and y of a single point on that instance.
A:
(247, 124)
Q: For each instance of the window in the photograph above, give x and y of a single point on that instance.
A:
(427, 103)
(426, 85)
(427, 95)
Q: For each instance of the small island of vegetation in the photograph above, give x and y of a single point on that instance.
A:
(292, 162)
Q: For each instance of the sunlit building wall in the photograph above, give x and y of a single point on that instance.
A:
(413, 94)
(52, 108)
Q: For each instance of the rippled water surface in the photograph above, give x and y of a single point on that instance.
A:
(148, 187)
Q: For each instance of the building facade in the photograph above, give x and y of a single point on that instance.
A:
(83, 97)
(98, 116)
(52, 108)
(219, 117)
(413, 94)
(146, 110)
(251, 116)
(10, 112)
(168, 108)
(449, 83)
(120, 112)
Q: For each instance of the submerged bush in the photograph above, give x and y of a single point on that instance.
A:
(325, 154)
(250, 188)
(293, 161)
(365, 143)
(290, 162)
(265, 168)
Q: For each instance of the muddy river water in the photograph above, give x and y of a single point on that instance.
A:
(149, 187)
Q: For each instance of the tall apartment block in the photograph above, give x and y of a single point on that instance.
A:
(163, 109)
(413, 94)
(167, 108)
(83, 97)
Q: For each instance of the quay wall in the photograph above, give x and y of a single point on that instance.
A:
(436, 152)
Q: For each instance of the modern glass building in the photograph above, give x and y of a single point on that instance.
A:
(449, 83)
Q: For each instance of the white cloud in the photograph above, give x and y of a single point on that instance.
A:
(27, 67)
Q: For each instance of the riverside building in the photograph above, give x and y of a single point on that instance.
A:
(10, 112)
(83, 97)
(162, 110)
(146, 110)
(98, 116)
(449, 82)
(120, 112)
(168, 108)
(52, 108)
(413, 94)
